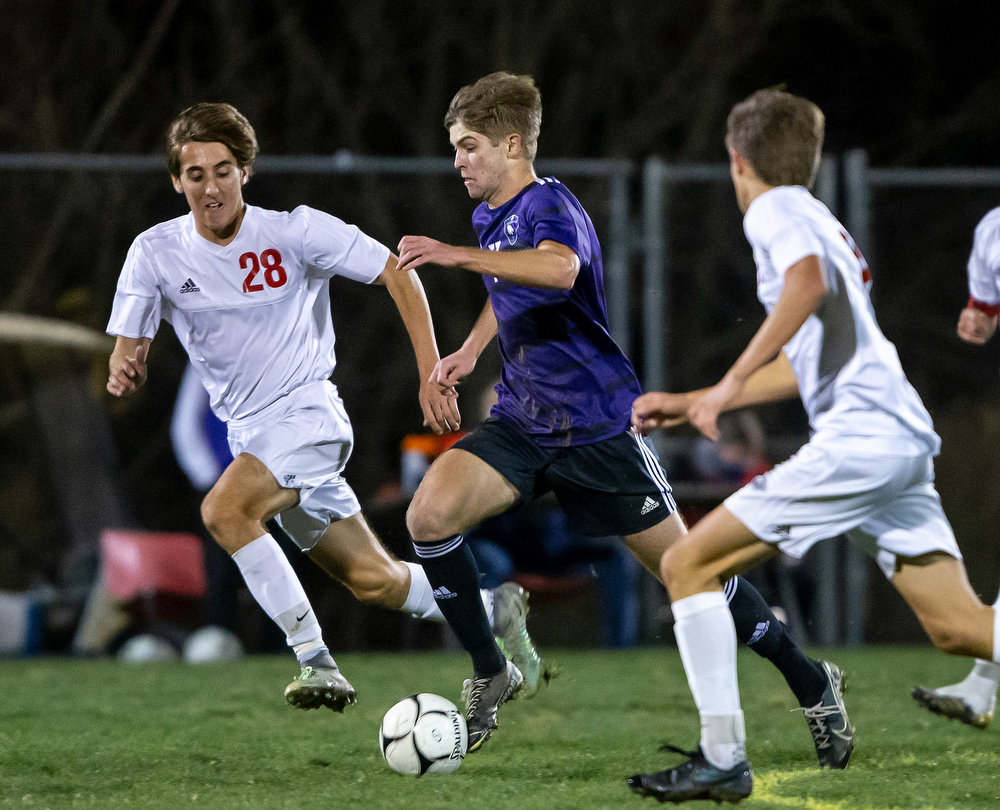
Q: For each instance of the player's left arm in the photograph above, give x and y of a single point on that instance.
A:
(438, 403)
(801, 295)
(550, 266)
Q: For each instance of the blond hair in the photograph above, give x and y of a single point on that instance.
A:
(499, 105)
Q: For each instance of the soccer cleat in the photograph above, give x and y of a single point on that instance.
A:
(510, 611)
(483, 697)
(831, 729)
(320, 686)
(695, 779)
(954, 707)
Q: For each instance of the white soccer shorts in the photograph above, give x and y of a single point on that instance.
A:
(885, 504)
(304, 439)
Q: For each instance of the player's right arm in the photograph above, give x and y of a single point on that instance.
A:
(549, 266)
(127, 366)
(770, 383)
(451, 370)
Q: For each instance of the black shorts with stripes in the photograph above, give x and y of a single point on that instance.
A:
(611, 487)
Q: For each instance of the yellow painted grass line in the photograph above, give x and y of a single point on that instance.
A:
(765, 785)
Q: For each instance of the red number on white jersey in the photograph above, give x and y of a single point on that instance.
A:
(274, 273)
(866, 275)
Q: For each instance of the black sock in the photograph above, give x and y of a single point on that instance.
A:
(452, 572)
(760, 630)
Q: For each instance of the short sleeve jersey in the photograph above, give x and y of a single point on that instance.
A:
(849, 375)
(253, 315)
(984, 261)
(563, 379)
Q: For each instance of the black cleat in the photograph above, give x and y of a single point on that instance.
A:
(831, 729)
(695, 779)
(483, 698)
(953, 707)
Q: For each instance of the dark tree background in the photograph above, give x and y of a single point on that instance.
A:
(912, 83)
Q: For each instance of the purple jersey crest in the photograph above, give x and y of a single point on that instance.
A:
(563, 379)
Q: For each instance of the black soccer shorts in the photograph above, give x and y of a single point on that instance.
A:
(611, 487)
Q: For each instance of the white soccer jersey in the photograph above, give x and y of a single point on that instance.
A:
(253, 316)
(849, 375)
(984, 261)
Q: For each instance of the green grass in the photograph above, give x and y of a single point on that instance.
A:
(108, 735)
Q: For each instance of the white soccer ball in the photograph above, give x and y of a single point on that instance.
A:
(210, 644)
(423, 734)
(144, 648)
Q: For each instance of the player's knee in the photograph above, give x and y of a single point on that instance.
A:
(683, 569)
(373, 586)
(673, 566)
(212, 513)
(428, 521)
(220, 514)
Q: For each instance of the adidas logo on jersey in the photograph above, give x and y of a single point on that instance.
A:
(760, 632)
(189, 286)
(648, 506)
(444, 593)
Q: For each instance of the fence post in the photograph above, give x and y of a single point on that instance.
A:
(826, 557)
(857, 219)
(616, 265)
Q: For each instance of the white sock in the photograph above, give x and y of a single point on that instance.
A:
(420, 602)
(706, 639)
(985, 677)
(273, 583)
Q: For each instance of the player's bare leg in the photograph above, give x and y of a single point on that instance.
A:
(648, 547)
(234, 511)
(350, 552)
(937, 588)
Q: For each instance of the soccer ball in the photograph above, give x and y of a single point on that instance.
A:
(423, 734)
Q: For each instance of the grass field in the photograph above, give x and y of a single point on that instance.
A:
(108, 735)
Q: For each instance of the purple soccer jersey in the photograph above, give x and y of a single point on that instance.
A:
(563, 379)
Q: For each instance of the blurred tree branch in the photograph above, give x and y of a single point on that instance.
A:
(29, 286)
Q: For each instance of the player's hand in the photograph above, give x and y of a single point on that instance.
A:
(451, 370)
(440, 407)
(704, 411)
(417, 250)
(126, 373)
(975, 326)
(657, 410)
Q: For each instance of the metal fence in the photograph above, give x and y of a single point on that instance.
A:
(915, 228)
(679, 279)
